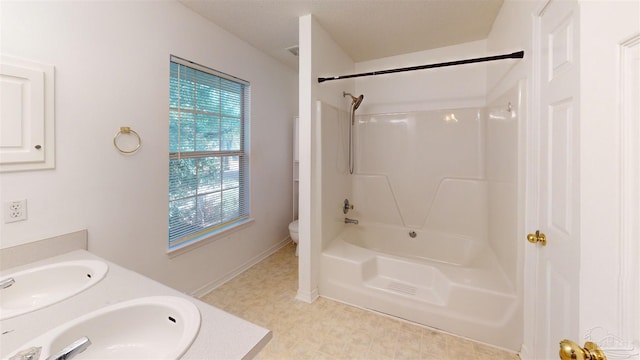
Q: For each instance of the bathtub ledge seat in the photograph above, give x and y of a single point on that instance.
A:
(475, 301)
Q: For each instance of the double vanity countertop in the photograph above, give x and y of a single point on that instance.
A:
(221, 335)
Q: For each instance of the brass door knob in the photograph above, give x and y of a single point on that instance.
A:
(570, 350)
(538, 237)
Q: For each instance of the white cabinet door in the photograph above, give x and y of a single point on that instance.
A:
(26, 115)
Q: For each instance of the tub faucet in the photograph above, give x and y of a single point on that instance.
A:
(350, 221)
(346, 207)
(72, 349)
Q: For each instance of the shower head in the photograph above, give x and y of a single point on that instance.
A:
(356, 101)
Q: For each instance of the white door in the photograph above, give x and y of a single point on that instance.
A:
(586, 76)
(557, 301)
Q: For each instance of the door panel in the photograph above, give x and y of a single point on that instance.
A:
(587, 174)
(558, 261)
(559, 167)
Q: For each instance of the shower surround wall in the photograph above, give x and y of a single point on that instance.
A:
(459, 87)
(422, 170)
(336, 180)
(447, 171)
(435, 233)
(334, 265)
(435, 160)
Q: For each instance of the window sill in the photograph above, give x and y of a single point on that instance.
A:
(208, 238)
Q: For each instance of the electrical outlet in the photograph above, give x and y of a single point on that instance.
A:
(15, 210)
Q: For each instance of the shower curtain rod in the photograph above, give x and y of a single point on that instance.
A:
(515, 55)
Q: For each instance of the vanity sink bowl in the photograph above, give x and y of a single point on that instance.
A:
(157, 327)
(32, 289)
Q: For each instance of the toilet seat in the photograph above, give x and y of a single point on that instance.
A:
(293, 226)
(293, 232)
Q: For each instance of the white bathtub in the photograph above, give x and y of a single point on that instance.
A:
(442, 281)
(424, 245)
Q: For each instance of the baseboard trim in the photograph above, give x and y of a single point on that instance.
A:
(207, 288)
(308, 297)
(525, 354)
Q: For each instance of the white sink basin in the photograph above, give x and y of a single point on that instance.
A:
(157, 327)
(45, 285)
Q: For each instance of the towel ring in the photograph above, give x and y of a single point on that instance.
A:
(126, 130)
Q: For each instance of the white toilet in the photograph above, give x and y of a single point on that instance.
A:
(293, 232)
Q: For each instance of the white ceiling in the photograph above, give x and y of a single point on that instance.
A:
(365, 29)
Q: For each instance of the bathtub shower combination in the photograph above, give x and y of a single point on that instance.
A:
(458, 288)
(435, 195)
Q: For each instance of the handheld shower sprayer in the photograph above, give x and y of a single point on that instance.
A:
(355, 103)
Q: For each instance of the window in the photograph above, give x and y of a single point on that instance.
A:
(208, 162)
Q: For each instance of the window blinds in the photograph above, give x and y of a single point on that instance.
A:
(208, 162)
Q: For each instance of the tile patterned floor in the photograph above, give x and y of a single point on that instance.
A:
(326, 329)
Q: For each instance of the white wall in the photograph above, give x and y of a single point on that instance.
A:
(441, 88)
(512, 31)
(607, 220)
(320, 56)
(112, 69)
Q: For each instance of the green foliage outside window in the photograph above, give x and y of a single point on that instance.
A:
(207, 161)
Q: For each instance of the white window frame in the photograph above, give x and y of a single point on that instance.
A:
(189, 233)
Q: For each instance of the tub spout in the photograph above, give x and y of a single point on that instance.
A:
(6, 283)
(72, 350)
(350, 221)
